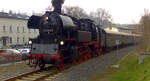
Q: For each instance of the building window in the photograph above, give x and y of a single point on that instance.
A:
(23, 39)
(17, 39)
(18, 29)
(10, 29)
(4, 28)
(10, 40)
(23, 30)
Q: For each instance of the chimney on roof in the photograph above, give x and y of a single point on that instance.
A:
(10, 11)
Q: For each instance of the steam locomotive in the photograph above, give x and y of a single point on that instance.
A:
(64, 39)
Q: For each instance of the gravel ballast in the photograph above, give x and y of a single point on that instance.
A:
(82, 72)
(89, 69)
(14, 69)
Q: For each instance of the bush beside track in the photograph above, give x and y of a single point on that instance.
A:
(129, 69)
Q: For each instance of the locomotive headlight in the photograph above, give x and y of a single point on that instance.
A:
(30, 42)
(61, 42)
(46, 18)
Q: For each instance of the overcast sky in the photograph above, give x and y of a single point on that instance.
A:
(122, 11)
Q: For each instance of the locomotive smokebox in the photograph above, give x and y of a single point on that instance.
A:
(33, 22)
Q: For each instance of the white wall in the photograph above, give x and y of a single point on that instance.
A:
(7, 22)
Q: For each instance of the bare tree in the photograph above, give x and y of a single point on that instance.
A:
(49, 8)
(2, 10)
(145, 27)
(75, 11)
(103, 16)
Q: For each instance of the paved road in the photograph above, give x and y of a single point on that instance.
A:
(89, 69)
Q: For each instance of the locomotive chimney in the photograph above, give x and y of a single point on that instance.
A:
(57, 4)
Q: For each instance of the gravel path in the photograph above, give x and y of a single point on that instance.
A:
(89, 69)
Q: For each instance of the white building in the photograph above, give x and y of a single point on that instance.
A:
(13, 29)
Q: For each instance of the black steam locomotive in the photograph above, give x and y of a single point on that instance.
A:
(63, 39)
(66, 39)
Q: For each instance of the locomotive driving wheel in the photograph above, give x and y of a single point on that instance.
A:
(59, 64)
(99, 51)
(42, 65)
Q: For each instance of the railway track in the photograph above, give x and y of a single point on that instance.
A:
(42, 75)
(38, 75)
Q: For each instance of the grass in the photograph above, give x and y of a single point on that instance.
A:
(129, 70)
